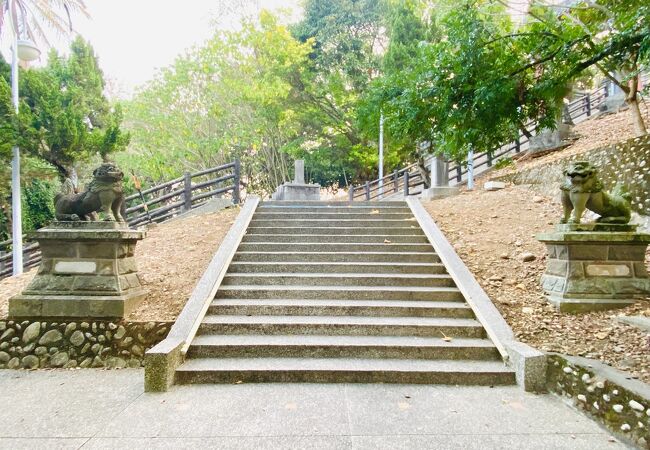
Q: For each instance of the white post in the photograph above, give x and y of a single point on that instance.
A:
(470, 170)
(381, 152)
(16, 216)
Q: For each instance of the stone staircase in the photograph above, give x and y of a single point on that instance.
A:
(338, 292)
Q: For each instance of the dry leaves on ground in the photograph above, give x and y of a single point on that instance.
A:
(491, 231)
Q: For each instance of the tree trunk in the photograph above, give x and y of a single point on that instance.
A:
(632, 100)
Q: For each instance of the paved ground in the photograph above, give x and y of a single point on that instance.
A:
(107, 409)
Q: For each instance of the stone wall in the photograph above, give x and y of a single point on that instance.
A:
(620, 404)
(627, 162)
(40, 344)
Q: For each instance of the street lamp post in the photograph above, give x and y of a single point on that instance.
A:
(26, 51)
(381, 152)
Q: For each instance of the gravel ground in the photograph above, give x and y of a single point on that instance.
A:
(171, 259)
(490, 230)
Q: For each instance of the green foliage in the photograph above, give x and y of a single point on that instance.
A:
(64, 116)
(504, 162)
(38, 204)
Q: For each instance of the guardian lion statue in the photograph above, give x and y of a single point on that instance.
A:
(583, 190)
(103, 194)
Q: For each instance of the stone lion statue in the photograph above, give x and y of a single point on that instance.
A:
(103, 194)
(583, 190)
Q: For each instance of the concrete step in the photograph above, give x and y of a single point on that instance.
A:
(342, 325)
(370, 222)
(332, 247)
(341, 204)
(337, 279)
(335, 209)
(344, 370)
(341, 292)
(413, 229)
(339, 238)
(324, 346)
(373, 214)
(349, 257)
(327, 307)
(335, 267)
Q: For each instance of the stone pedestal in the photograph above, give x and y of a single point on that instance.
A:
(594, 270)
(88, 270)
(439, 181)
(297, 189)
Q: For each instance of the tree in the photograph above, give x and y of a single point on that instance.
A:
(610, 36)
(64, 116)
(29, 17)
(458, 91)
(233, 97)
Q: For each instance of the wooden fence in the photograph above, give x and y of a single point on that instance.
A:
(156, 204)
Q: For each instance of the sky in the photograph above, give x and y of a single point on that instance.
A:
(133, 38)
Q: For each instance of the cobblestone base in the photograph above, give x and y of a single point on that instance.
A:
(41, 344)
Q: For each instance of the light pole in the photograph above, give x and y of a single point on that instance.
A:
(381, 152)
(26, 51)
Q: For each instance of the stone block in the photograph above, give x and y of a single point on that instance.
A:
(627, 252)
(588, 252)
(60, 249)
(96, 283)
(552, 251)
(557, 267)
(575, 269)
(75, 267)
(439, 192)
(134, 280)
(494, 185)
(126, 265)
(106, 267)
(51, 283)
(97, 250)
(608, 270)
(561, 251)
(640, 270)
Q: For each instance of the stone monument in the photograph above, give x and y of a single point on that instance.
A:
(598, 265)
(88, 268)
(439, 180)
(297, 189)
(554, 139)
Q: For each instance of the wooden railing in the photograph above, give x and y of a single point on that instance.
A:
(156, 204)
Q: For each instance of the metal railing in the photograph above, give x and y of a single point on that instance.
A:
(156, 204)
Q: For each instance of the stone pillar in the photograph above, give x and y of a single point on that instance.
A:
(297, 190)
(88, 270)
(439, 180)
(594, 270)
(299, 171)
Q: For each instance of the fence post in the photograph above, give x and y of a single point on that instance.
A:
(517, 146)
(187, 192)
(351, 193)
(588, 100)
(489, 159)
(367, 190)
(396, 181)
(459, 173)
(406, 183)
(236, 194)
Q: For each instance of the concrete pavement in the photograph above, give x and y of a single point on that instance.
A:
(94, 409)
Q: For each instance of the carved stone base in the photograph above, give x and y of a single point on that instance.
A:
(297, 191)
(591, 271)
(88, 270)
(439, 192)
